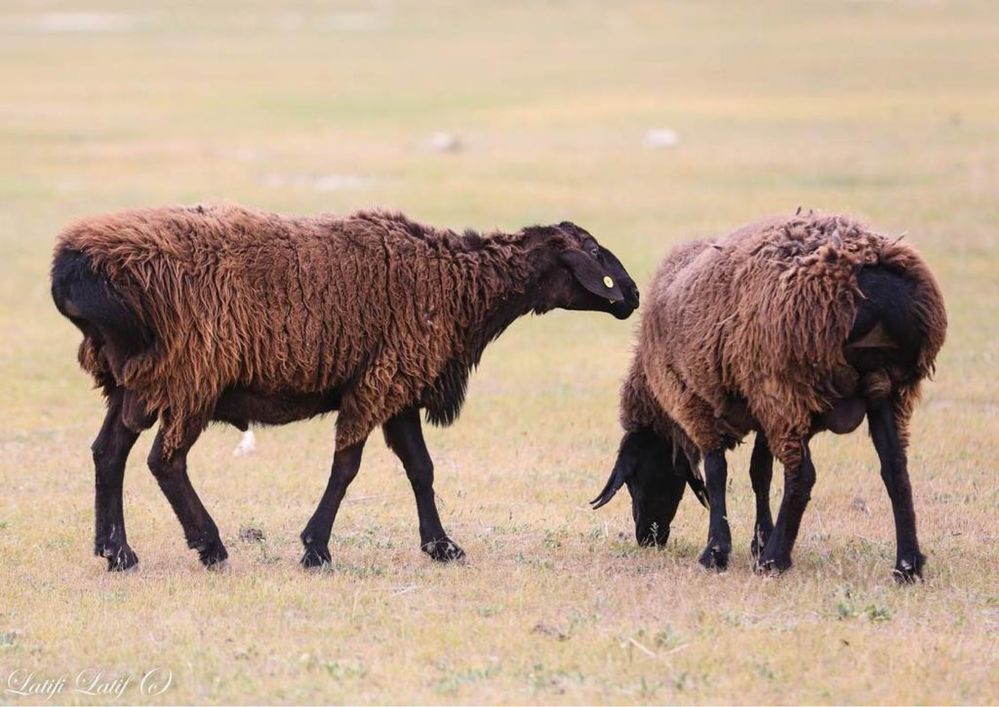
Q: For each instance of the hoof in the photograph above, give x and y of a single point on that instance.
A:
(213, 555)
(714, 557)
(772, 567)
(759, 542)
(316, 557)
(909, 570)
(443, 550)
(119, 558)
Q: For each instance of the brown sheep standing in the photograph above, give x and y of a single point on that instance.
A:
(225, 313)
(787, 327)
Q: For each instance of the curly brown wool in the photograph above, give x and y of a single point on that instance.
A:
(253, 299)
(758, 319)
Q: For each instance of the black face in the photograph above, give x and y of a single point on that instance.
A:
(656, 479)
(597, 281)
(656, 490)
(624, 308)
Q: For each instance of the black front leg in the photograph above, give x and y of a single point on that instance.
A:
(715, 555)
(404, 435)
(798, 483)
(761, 471)
(895, 473)
(316, 536)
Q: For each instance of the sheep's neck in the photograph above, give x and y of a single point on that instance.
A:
(512, 293)
(517, 293)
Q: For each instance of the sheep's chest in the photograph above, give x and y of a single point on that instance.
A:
(734, 421)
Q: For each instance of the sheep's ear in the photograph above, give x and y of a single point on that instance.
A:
(624, 468)
(617, 478)
(591, 275)
(696, 484)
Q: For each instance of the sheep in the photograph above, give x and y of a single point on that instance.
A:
(786, 327)
(225, 313)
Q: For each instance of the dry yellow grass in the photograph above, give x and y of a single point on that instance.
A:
(889, 110)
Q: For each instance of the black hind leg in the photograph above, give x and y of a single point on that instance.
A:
(111, 448)
(170, 470)
(895, 473)
(112, 334)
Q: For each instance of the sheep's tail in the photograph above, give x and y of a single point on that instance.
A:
(926, 315)
(925, 310)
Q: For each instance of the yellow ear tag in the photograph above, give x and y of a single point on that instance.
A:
(608, 283)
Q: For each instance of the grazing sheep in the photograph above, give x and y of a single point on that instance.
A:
(787, 327)
(225, 313)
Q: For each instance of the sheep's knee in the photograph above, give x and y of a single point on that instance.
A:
(798, 484)
(804, 474)
(161, 466)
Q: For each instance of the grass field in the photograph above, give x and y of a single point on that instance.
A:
(889, 110)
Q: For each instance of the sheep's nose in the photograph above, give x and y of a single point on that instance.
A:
(652, 536)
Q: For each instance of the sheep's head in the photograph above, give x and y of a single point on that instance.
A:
(656, 477)
(578, 273)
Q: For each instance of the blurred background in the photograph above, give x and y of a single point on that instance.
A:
(647, 123)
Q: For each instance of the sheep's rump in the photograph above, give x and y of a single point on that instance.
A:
(236, 297)
(749, 329)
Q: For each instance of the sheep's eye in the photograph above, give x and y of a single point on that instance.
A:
(594, 251)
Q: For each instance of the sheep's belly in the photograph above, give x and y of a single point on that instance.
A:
(239, 406)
